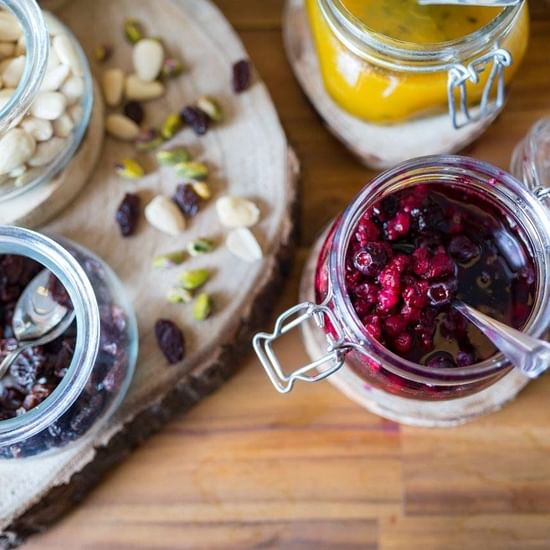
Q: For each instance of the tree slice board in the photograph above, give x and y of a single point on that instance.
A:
(373, 144)
(40, 204)
(436, 414)
(248, 156)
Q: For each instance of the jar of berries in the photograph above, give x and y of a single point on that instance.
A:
(416, 238)
(55, 393)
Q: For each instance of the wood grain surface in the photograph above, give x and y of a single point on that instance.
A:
(249, 468)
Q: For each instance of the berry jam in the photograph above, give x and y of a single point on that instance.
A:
(415, 251)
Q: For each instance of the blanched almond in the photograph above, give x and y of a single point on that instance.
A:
(242, 243)
(237, 212)
(113, 86)
(163, 214)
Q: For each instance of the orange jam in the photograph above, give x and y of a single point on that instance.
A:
(383, 96)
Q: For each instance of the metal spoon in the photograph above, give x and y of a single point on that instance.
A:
(38, 319)
(530, 355)
(488, 3)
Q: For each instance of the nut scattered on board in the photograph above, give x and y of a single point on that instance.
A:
(171, 68)
(242, 243)
(202, 189)
(165, 216)
(103, 52)
(148, 57)
(202, 308)
(211, 107)
(133, 30)
(237, 212)
(129, 169)
(121, 127)
(148, 140)
(171, 126)
(170, 259)
(171, 157)
(140, 90)
(179, 296)
(192, 170)
(113, 86)
(195, 278)
(198, 247)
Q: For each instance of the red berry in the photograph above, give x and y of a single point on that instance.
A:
(398, 226)
(371, 259)
(395, 324)
(440, 266)
(387, 300)
(389, 279)
(421, 261)
(403, 342)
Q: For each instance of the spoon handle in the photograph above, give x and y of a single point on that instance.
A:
(9, 359)
(529, 354)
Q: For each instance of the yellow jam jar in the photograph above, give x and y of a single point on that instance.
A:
(390, 61)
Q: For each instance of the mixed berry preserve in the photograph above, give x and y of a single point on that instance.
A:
(417, 237)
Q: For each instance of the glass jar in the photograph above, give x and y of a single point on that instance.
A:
(104, 358)
(36, 142)
(347, 340)
(385, 80)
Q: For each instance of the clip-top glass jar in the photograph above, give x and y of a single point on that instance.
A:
(94, 379)
(379, 367)
(46, 100)
(383, 63)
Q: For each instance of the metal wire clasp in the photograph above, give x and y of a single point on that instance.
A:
(323, 367)
(460, 74)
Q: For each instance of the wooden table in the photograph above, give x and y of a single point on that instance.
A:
(251, 468)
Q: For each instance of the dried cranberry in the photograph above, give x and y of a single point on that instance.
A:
(441, 360)
(127, 214)
(403, 342)
(440, 265)
(134, 111)
(442, 293)
(197, 119)
(367, 231)
(387, 300)
(395, 325)
(187, 200)
(371, 259)
(389, 278)
(398, 226)
(242, 76)
(462, 249)
(170, 340)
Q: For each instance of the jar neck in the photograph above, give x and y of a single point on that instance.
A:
(506, 192)
(398, 55)
(37, 44)
(55, 258)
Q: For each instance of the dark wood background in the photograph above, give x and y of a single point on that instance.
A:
(251, 468)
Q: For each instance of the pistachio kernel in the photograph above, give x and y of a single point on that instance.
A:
(171, 157)
(199, 247)
(179, 296)
(190, 280)
(171, 126)
(133, 30)
(148, 140)
(211, 107)
(129, 169)
(202, 308)
(171, 68)
(169, 260)
(202, 189)
(192, 170)
(103, 52)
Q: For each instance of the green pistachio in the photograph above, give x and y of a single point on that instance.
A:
(211, 107)
(199, 247)
(133, 30)
(190, 280)
(171, 126)
(202, 307)
(129, 169)
(170, 157)
(179, 296)
(201, 189)
(171, 68)
(149, 140)
(169, 260)
(192, 170)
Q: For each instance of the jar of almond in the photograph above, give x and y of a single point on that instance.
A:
(46, 96)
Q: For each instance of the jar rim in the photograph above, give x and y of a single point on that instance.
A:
(37, 43)
(399, 55)
(58, 260)
(373, 191)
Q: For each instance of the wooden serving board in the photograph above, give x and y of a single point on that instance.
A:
(248, 156)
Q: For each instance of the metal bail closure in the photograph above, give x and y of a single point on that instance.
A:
(312, 372)
(458, 77)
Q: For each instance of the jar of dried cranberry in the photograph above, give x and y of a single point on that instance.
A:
(55, 394)
(382, 281)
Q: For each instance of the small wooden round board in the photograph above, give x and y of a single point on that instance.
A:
(248, 156)
(428, 414)
(375, 145)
